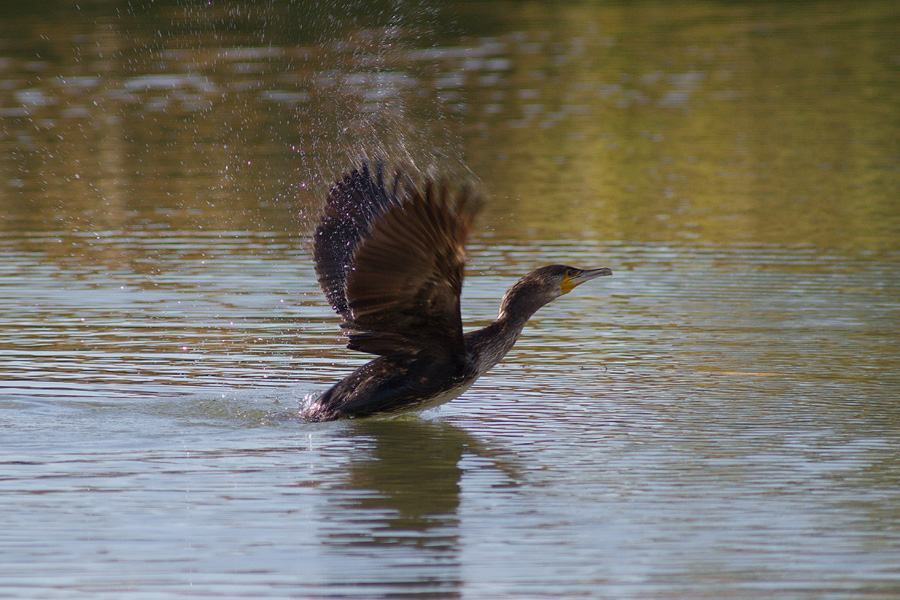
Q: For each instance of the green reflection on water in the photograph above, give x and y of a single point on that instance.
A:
(713, 123)
(769, 123)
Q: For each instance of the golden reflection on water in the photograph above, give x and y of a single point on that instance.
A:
(763, 124)
(768, 125)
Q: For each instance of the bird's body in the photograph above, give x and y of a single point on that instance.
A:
(390, 259)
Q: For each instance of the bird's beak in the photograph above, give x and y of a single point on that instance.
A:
(569, 283)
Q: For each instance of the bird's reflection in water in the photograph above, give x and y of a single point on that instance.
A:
(397, 510)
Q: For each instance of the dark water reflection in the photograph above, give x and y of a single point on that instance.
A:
(719, 419)
(400, 503)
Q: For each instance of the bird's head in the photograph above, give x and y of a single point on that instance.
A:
(545, 284)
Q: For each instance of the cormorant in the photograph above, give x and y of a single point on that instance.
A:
(390, 257)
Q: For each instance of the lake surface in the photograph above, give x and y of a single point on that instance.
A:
(719, 419)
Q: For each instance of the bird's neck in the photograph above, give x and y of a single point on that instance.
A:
(489, 345)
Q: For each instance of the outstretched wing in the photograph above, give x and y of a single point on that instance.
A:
(353, 204)
(390, 260)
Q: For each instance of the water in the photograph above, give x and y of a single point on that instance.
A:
(718, 419)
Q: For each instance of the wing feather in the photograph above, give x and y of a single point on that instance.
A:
(391, 259)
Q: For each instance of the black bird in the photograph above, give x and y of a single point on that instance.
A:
(390, 257)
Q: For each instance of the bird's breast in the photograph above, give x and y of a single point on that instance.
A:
(443, 396)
